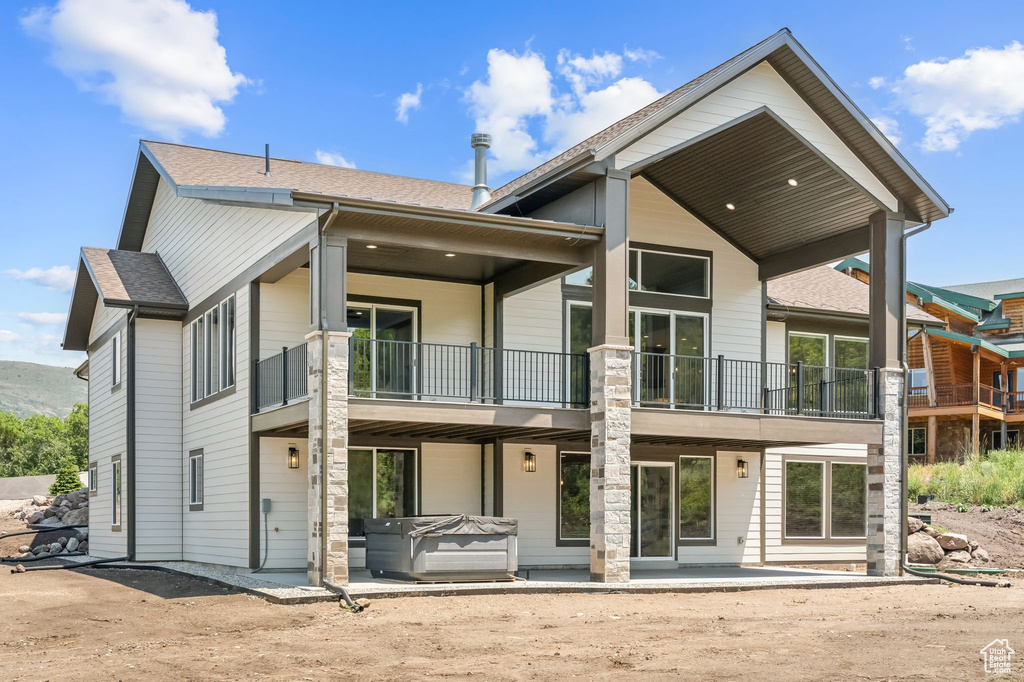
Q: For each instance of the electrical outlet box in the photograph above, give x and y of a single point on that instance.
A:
(266, 505)
(739, 540)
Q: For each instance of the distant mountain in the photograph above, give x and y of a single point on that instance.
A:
(27, 388)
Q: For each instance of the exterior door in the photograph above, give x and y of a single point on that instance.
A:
(383, 350)
(651, 516)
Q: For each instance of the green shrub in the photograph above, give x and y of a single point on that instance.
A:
(67, 479)
(995, 479)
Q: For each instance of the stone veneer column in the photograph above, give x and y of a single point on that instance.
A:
(610, 398)
(328, 446)
(885, 462)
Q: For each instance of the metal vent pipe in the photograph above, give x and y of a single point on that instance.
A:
(480, 142)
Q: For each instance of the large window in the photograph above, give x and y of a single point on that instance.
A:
(851, 352)
(918, 382)
(848, 491)
(658, 272)
(212, 345)
(810, 349)
(917, 441)
(573, 495)
(696, 498)
(115, 493)
(195, 480)
(825, 500)
(381, 483)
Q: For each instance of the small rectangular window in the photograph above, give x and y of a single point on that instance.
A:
(227, 342)
(696, 498)
(115, 494)
(848, 501)
(93, 478)
(917, 441)
(669, 273)
(851, 353)
(195, 480)
(918, 382)
(805, 499)
(115, 359)
(1012, 440)
(581, 278)
(574, 496)
(382, 484)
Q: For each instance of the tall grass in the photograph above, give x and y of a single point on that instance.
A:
(995, 479)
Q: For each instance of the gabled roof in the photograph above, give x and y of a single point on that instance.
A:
(120, 279)
(793, 63)
(989, 290)
(825, 290)
(1013, 350)
(927, 294)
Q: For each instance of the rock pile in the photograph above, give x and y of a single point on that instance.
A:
(69, 509)
(929, 545)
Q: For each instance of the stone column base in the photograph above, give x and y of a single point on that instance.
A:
(885, 481)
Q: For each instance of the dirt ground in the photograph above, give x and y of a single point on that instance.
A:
(999, 531)
(130, 624)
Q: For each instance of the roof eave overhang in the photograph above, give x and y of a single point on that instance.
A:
(784, 311)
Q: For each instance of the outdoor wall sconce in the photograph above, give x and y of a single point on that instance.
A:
(741, 469)
(529, 462)
(293, 458)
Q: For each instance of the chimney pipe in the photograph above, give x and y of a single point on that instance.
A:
(480, 142)
(267, 157)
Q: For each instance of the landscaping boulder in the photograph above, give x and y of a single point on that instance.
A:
(50, 512)
(914, 524)
(55, 547)
(34, 517)
(24, 548)
(72, 544)
(979, 555)
(950, 541)
(77, 517)
(39, 501)
(63, 541)
(40, 549)
(957, 556)
(931, 531)
(923, 549)
(84, 547)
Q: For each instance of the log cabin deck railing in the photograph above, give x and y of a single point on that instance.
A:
(962, 395)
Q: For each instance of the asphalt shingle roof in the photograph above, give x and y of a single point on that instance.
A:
(211, 168)
(826, 289)
(989, 290)
(133, 277)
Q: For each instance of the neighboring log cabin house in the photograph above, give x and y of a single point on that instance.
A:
(966, 379)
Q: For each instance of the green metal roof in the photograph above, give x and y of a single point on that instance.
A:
(1003, 297)
(974, 341)
(925, 293)
(963, 299)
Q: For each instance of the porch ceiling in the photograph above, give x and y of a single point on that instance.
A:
(409, 261)
(748, 164)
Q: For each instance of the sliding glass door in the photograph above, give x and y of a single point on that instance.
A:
(651, 511)
(670, 369)
(383, 352)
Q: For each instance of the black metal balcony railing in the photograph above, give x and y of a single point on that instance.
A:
(281, 378)
(380, 368)
(685, 382)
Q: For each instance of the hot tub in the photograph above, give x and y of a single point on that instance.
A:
(442, 548)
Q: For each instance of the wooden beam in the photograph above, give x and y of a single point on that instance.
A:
(933, 437)
(929, 369)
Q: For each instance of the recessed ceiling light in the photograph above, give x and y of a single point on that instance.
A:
(731, 207)
(371, 246)
(449, 255)
(792, 182)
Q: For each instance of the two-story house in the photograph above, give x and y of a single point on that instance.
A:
(585, 349)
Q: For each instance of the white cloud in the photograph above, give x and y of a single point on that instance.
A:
(158, 60)
(42, 319)
(889, 126)
(37, 347)
(519, 103)
(876, 82)
(641, 55)
(409, 101)
(980, 90)
(7, 336)
(333, 159)
(59, 277)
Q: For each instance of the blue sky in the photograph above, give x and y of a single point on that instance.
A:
(83, 80)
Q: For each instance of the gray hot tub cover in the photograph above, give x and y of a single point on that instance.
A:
(461, 524)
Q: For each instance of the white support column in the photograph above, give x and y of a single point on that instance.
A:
(328, 458)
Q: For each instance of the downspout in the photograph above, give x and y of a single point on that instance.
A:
(323, 324)
(130, 432)
(904, 409)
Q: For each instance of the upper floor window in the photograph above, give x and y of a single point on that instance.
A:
(659, 272)
(851, 352)
(918, 381)
(115, 359)
(212, 339)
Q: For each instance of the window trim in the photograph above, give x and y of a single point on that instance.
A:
(664, 250)
(559, 540)
(845, 337)
(1008, 432)
(195, 502)
(825, 461)
(116, 501)
(697, 542)
(817, 335)
(201, 337)
(360, 540)
(94, 479)
(910, 441)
